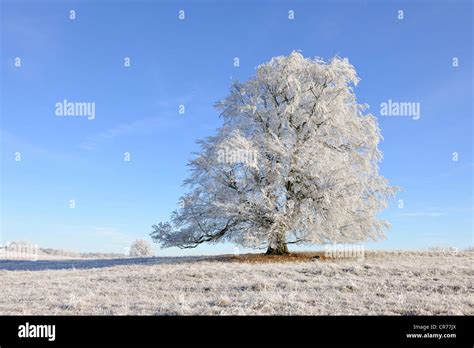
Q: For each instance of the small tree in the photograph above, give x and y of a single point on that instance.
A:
(141, 248)
(296, 161)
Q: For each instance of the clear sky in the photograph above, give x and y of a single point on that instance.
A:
(191, 62)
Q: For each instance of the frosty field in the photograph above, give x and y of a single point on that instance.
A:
(385, 283)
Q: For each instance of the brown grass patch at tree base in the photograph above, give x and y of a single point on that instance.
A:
(264, 258)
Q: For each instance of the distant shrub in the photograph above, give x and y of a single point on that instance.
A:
(141, 248)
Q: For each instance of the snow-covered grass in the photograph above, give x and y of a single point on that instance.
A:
(399, 283)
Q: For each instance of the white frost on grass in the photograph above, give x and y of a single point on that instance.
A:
(382, 284)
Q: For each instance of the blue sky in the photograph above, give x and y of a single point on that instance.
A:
(190, 62)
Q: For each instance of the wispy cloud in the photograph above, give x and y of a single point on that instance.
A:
(9, 139)
(15, 143)
(169, 117)
(423, 214)
(136, 127)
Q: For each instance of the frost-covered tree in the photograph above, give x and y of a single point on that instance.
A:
(296, 161)
(141, 248)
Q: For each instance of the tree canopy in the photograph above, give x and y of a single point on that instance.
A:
(295, 161)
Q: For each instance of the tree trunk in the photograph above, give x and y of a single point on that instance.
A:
(278, 248)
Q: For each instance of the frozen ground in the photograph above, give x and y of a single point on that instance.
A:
(398, 283)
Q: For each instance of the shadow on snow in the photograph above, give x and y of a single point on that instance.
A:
(40, 265)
